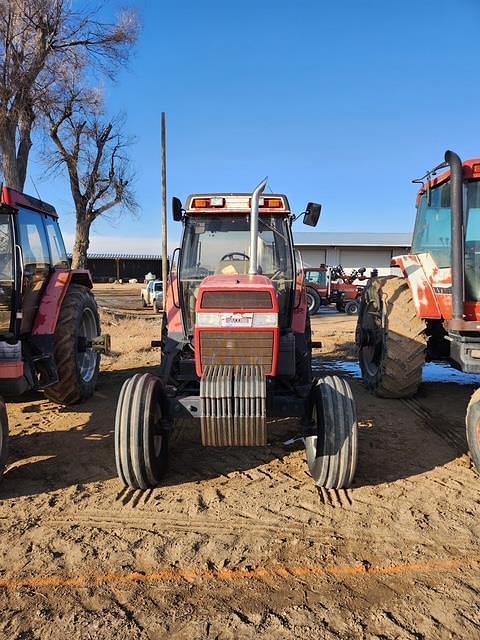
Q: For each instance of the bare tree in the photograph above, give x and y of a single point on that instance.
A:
(94, 151)
(39, 41)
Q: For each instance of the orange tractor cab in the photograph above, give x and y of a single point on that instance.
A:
(432, 310)
(49, 324)
(236, 345)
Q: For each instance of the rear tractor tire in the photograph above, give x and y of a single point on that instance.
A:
(314, 301)
(77, 364)
(391, 339)
(3, 437)
(332, 449)
(141, 440)
(473, 428)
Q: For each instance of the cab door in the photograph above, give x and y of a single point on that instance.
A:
(7, 275)
(36, 264)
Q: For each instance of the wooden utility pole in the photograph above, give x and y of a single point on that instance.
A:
(164, 213)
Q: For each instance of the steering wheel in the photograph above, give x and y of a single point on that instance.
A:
(230, 256)
(277, 273)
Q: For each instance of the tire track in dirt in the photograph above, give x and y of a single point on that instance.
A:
(244, 525)
(335, 497)
(449, 432)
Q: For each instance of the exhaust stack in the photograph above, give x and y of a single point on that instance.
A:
(253, 266)
(456, 200)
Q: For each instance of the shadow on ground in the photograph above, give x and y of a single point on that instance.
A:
(391, 445)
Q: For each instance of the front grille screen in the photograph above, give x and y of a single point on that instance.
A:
(236, 347)
(236, 300)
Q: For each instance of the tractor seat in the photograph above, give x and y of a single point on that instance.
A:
(232, 267)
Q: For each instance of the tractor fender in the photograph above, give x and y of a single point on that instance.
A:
(420, 285)
(52, 298)
(299, 320)
(83, 277)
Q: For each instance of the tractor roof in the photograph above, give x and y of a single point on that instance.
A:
(471, 171)
(16, 199)
(221, 203)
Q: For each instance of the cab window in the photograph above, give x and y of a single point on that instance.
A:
(433, 229)
(57, 248)
(316, 277)
(36, 263)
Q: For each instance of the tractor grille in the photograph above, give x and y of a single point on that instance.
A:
(237, 300)
(237, 347)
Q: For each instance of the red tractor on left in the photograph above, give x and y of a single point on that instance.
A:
(49, 324)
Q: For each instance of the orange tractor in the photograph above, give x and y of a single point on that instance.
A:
(432, 310)
(49, 325)
(236, 346)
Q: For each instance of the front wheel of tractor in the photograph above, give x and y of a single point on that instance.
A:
(332, 448)
(3, 437)
(314, 301)
(141, 440)
(351, 308)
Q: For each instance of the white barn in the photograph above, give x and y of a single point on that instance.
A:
(352, 250)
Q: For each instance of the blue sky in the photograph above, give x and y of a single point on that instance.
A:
(338, 102)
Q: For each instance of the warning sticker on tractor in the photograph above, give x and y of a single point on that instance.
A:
(236, 319)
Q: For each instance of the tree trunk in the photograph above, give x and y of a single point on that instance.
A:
(9, 160)
(82, 241)
(24, 146)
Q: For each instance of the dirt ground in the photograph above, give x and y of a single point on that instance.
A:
(238, 543)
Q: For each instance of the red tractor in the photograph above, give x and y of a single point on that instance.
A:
(332, 285)
(432, 310)
(236, 346)
(49, 324)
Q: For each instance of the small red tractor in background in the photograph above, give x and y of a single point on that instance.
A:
(49, 324)
(236, 346)
(432, 310)
(332, 285)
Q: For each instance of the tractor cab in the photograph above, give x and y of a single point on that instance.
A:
(31, 245)
(37, 286)
(216, 245)
(238, 277)
(433, 232)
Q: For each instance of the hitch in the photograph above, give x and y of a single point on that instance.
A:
(100, 344)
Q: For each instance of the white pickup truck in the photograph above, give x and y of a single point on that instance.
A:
(152, 295)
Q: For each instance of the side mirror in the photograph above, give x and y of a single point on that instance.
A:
(177, 209)
(312, 214)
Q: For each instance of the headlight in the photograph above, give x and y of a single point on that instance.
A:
(265, 320)
(208, 319)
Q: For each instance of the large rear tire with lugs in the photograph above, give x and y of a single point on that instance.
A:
(391, 339)
(473, 428)
(77, 364)
(332, 447)
(3, 437)
(141, 439)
